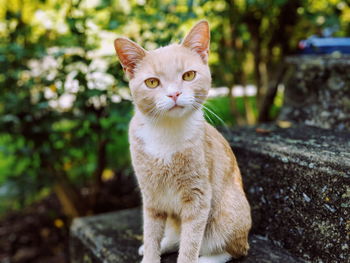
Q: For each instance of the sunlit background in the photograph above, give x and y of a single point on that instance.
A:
(65, 104)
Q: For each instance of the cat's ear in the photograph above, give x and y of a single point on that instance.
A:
(198, 39)
(129, 54)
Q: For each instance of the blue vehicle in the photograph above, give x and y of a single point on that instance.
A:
(325, 45)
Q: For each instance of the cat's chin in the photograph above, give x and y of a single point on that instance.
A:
(177, 112)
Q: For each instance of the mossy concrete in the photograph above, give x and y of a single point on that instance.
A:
(298, 184)
(317, 91)
(115, 238)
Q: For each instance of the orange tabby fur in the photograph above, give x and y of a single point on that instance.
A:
(191, 186)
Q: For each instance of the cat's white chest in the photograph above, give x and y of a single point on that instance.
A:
(162, 144)
(162, 140)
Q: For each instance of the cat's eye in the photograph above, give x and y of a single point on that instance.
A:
(152, 83)
(189, 75)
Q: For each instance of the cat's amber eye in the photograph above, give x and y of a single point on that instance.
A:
(152, 83)
(189, 75)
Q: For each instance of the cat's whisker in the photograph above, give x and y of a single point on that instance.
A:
(159, 113)
(151, 105)
(153, 110)
(198, 107)
(207, 115)
(153, 113)
(157, 117)
(206, 110)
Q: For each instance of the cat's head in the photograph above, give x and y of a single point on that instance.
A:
(171, 81)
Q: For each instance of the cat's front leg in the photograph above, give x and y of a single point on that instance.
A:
(194, 218)
(153, 229)
(171, 239)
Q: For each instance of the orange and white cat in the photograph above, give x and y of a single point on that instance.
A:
(193, 198)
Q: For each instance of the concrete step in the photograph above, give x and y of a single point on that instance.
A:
(298, 183)
(116, 237)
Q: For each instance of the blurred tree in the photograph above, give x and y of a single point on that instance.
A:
(61, 102)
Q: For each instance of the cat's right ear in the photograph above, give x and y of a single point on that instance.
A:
(198, 39)
(129, 54)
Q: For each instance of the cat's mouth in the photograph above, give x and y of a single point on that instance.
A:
(176, 107)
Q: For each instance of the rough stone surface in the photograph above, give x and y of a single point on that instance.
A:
(298, 183)
(318, 91)
(115, 238)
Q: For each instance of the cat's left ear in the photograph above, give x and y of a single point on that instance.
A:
(129, 53)
(198, 39)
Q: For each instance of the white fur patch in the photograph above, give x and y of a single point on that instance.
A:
(219, 258)
(166, 138)
(141, 249)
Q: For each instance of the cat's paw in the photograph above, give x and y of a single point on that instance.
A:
(168, 246)
(140, 251)
(151, 260)
(219, 258)
(205, 260)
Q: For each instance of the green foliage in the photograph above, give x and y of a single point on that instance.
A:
(59, 105)
(64, 102)
(218, 112)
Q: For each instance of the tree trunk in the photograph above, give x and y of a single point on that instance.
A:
(270, 97)
(233, 107)
(249, 114)
(73, 204)
(257, 62)
(100, 167)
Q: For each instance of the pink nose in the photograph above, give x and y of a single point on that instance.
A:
(174, 95)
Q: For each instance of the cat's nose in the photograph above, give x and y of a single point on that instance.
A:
(174, 95)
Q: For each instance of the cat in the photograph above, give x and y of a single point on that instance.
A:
(191, 187)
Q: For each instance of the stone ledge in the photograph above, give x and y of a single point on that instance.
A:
(298, 183)
(303, 145)
(115, 238)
